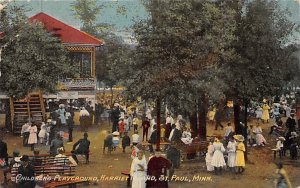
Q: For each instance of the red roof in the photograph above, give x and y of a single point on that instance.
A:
(66, 33)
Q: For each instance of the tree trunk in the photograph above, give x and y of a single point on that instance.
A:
(245, 127)
(112, 96)
(158, 123)
(193, 122)
(8, 124)
(202, 119)
(236, 112)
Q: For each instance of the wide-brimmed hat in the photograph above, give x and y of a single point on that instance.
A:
(239, 137)
(61, 149)
(294, 134)
(116, 133)
(61, 106)
(24, 158)
(17, 159)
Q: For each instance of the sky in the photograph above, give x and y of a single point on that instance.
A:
(61, 10)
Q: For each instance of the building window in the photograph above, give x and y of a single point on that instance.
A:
(83, 61)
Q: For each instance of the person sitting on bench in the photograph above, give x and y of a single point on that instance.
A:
(82, 146)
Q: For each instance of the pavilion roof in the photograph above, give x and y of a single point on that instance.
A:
(66, 33)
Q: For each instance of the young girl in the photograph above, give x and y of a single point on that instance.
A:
(240, 150)
(43, 133)
(138, 170)
(32, 136)
(231, 149)
(115, 139)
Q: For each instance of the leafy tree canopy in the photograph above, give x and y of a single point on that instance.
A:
(31, 58)
(262, 55)
(180, 48)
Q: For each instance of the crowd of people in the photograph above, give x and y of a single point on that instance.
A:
(235, 149)
(223, 152)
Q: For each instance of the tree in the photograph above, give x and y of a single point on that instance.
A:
(87, 11)
(112, 58)
(31, 58)
(263, 30)
(179, 50)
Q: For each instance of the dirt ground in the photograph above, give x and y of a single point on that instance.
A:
(259, 170)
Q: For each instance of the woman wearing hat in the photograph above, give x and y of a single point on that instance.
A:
(240, 150)
(218, 158)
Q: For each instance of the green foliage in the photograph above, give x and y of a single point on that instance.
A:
(31, 58)
(180, 48)
(112, 58)
(113, 61)
(257, 71)
(87, 11)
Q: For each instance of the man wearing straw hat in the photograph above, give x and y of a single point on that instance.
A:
(240, 150)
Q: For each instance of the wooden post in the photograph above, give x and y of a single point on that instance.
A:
(158, 123)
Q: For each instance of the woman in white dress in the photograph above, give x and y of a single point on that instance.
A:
(187, 136)
(231, 149)
(32, 136)
(61, 112)
(138, 170)
(218, 160)
(259, 138)
(43, 133)
(208, 157)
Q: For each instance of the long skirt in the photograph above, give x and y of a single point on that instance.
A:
(240, 159)
(139, 180)
(32, 138)
(259, 138)
(208, 160)
(231, 159)
(218, 159)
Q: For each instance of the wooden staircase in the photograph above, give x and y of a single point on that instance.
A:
(31, 108)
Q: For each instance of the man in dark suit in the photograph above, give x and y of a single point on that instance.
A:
(26, 174)
(82, 146)
(3, 151)
(145, 125)
(153, 139)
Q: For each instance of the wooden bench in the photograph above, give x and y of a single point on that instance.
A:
(126, 172)
(162, 144)
(191, 149)
(51, 167)
(279, 151)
